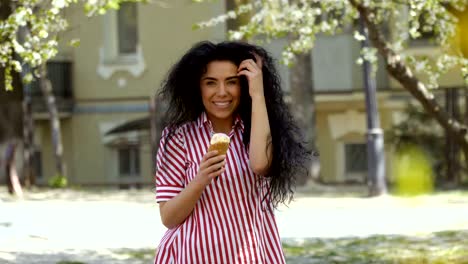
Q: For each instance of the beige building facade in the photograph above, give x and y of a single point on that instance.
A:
(122, 59)
(115, 71)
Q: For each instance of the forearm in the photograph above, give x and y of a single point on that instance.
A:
(176, 210)
(260, 137)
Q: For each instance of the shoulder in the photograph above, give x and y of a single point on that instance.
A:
(173, 134)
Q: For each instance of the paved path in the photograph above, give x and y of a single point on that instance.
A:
(111, 227)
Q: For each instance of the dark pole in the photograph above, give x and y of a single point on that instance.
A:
(375, 143)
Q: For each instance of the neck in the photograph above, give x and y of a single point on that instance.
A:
(222, 125)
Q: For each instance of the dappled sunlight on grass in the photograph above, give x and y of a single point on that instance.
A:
(442, 247)
(142, 254)
(70, 262)
(321, 227)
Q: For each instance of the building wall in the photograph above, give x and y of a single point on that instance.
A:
(43, 140)
(341, 120)
(105, 101)
(102, 102)
(95, 154)
(161, 45)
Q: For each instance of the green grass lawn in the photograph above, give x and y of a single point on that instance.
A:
(449, 247)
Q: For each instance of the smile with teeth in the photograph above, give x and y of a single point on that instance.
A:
(222, 104)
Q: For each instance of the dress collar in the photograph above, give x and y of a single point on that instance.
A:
(204, 121)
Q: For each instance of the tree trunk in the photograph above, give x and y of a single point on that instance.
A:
(303, 106)
(49, 97)
(7, 7)
(28, 144)
(28, 122)
(403, 74)
(13, 183)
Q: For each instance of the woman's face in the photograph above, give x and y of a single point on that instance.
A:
(220, 90)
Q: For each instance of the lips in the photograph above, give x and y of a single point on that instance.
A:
(222, 104)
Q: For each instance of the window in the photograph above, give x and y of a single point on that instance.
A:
(356, 161)
(127, 29)
(129, 161)
(121, 50)
(37, 164)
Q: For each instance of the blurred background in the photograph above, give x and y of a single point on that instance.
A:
(378, 89)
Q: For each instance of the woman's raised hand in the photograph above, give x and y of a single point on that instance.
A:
(211, 166)
(253, 72)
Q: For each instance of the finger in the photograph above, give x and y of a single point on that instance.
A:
(216, 173)
(246, 73)
(214, 160)
(204, 163)
(248, 64)
(253, 63)
(214, 168)
(209, 155)
(259, 60)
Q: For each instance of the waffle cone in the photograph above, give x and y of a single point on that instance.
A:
(221, 147)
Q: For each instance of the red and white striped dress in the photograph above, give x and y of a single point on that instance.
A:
(231, 223)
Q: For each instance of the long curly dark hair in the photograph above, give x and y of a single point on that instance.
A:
(181, 91)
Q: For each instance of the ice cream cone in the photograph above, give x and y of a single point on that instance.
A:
(219, 142)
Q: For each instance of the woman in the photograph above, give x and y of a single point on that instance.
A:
(219, 208)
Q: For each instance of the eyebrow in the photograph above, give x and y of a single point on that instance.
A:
(214, 79)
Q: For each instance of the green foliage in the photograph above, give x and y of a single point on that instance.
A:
(303, 20)
(418, 138)
(58, 181)
(74, 43)
(418, 128)
(29, 33)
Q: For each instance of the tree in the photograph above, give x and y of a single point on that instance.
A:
(308, 18)
(28, 39)
(10, 123)
(11, 133)
(303, 105)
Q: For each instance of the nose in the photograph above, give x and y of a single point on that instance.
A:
(222, 91)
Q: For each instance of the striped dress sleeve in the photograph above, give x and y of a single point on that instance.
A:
(170, 166)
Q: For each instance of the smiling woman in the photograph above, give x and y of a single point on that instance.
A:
(230, 88)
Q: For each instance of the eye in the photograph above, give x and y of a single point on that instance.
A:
(210, 83)
(233, 82)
